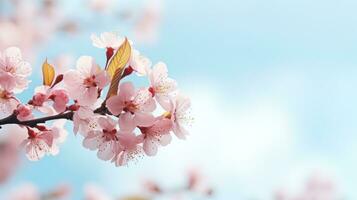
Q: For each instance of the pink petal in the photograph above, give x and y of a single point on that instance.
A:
(165, 139)
(92, 141)
(180, 132)
(122, 159)
(72, 78)
(106, 150)
(126, 91)
(144, 119)
(89, 97)
(150, 147)
(107, 123)
(85, 65)
(161, 127)
(85, 112)
(126, 122)
(47, 137)
(102, 79)
(115, 105)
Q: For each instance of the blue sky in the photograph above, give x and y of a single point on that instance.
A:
(273, 85)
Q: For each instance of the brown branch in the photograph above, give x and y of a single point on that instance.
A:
(12, 119)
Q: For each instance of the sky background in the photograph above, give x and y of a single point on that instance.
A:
(273, 87)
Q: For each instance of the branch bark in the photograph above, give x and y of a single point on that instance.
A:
(12, 119)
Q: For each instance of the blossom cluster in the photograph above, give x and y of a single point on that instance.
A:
(120, 126)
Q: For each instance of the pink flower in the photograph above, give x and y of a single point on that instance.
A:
(137, 107)
(84, 119)
(129, 149)
(38, 143)
(24, 112)
(11, 137)
(161, 85)
(60, 99)
(107, 40)
(105, 140)
(180, 115)
(8, 102)
(11, 63)
(43, 97)
(139, 63)
(84, 83)
(157, 134)
(40, 100)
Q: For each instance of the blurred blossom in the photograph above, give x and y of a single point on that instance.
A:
(39, 21)
(317, 187)
(100, 5)
(31, 192)
(93, 192)
(9, 151)
(25, 192)
(148, 23)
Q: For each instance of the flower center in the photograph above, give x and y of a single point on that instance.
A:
(5, 94)
(90, 82)
(130, 106)
(110, 134)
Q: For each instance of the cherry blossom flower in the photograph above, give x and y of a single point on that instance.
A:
(180, 115)
(107, 40)
(60, 99)
(161, 85)
(84, 83)
(129, 149)
(24, 112)
(38, 144)
(137, 107)
(105, 140)
(40, 100)
(157, 134)
(43, 97)
(11, 63)
(84, 120)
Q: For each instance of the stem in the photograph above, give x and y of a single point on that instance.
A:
(12, 119)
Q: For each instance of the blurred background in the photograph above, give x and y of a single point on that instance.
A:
(272, 82)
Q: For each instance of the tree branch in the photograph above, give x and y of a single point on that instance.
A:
(12, 119)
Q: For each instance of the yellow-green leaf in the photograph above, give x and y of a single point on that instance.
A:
(120, 58)
(48, 73)
(114, 84)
